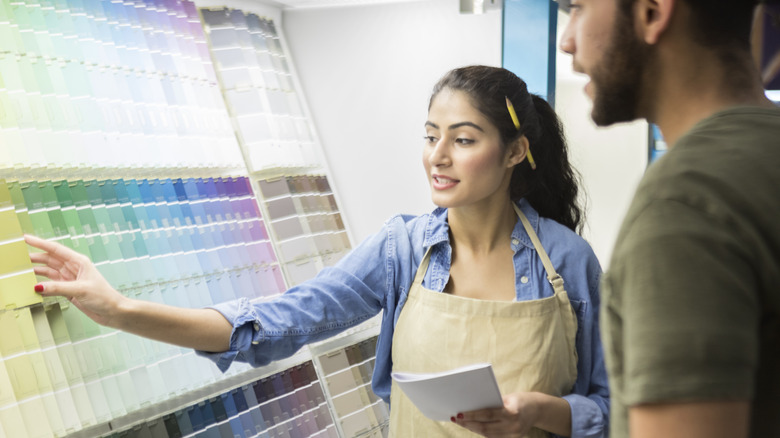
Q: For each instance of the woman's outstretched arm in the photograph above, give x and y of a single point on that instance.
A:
(73, 276)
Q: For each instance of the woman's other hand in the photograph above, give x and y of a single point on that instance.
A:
(521, 412)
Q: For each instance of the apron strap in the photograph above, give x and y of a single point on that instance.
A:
(418, 277)
(555, 280)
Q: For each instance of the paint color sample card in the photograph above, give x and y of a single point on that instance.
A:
(348, 371)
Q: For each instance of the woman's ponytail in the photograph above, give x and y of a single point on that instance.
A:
(552, 188)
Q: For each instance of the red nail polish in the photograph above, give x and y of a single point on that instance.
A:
(452, 419)
(38, 288)
(460, 416)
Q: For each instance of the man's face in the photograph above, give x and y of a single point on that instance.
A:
(604, 46)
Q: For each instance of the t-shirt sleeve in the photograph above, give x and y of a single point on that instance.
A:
(688, 311)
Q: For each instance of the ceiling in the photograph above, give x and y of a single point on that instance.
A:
(300, 4)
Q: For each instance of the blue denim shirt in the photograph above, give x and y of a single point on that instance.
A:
(376, 276)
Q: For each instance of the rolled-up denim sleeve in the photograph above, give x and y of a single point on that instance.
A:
(587, 417)
(338, 298)
(247, 331)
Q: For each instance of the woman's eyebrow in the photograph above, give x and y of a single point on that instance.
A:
(473, 125)
(455, 126)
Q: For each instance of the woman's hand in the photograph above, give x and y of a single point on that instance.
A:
(76, 278)
(521, 412)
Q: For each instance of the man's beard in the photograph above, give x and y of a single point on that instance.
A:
(618, 81)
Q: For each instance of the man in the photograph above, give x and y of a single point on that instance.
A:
(691, 302)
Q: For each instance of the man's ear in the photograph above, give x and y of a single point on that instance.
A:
(652, 18)
(517, 151)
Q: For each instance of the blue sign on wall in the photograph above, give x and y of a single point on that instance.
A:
(528, 43)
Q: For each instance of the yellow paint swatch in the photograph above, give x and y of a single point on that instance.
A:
(7, 396)
(11, 342)
(5, 195)
(35, 419)
(18, 291)
(22, 376)
(9, 223)
(13, 425)
(15, 257)
(27, 333)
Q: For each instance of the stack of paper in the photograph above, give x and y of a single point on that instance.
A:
(440, 396)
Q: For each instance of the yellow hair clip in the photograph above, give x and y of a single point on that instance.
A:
(513, 114)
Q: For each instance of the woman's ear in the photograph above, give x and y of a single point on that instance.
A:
(517, 151)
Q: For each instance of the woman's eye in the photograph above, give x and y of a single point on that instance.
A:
(430, 139)
(464, 141)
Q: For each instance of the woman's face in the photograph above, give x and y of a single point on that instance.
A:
(463, 157)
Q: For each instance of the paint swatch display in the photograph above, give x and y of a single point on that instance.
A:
(358, 411)
(258, 88)
(306, 223)
(84, 81)
(289, 404)
(188, 243)
(117, 141)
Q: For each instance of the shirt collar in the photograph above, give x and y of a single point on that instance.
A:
(519, 233)
(437, 229)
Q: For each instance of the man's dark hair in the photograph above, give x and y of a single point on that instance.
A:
(723, 24)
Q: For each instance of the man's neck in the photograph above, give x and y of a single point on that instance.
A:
(698, 86)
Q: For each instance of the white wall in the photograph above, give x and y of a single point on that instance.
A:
(367, 73)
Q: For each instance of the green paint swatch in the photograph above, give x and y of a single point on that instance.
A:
(21, 208)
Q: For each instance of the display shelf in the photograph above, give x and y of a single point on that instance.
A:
(206, 392)
(131, 137)
(246, 377)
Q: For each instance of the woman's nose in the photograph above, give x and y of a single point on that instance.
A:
(439, 154)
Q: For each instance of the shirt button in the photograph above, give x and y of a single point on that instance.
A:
(524, 279)
(515, 241)
(255, 342)
(257, 327)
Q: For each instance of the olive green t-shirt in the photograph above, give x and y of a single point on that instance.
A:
(691, 302)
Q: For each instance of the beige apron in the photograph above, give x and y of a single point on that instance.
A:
(529, 343)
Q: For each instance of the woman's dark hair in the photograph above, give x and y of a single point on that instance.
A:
(552, 187)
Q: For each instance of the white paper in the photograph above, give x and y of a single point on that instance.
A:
(440, 396)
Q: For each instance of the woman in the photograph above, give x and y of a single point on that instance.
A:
(480, 279)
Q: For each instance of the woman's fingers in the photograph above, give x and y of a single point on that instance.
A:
(494, 422)
(55, 250)
(67, 289)
(44, 258)
(50, 273)
(485, 415)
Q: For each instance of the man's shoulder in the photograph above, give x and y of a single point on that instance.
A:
(728, 157)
